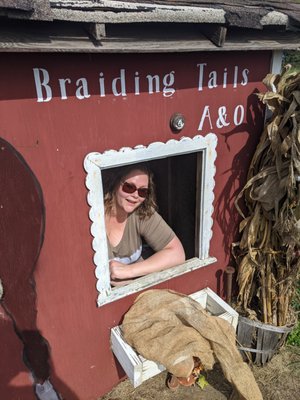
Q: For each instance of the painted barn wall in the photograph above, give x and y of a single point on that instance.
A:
(54, 137)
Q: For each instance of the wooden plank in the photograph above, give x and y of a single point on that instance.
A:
(245, 335)
(199, 191)
(270, 345)
(259, 346)
(150, 368)
(258, 324)
(283, 338)
(97, 31)
(22, 41)
(218, 306)
(127, 357)
(217, 34)
(170, 199)
(200, 297)
(155, 278)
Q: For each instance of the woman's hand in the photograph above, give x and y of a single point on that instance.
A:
(119, 271)
(121, 282)
(171, 255)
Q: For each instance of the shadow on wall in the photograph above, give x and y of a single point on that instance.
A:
(22, 223)
(12, 368)
(226, 213)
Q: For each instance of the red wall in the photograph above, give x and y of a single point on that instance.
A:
(54, 137)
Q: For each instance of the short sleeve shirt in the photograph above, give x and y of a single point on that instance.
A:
(155, 231)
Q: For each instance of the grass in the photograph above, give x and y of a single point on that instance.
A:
(294, 336)
(292, 57)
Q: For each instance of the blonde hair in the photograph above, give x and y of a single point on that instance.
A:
(113, 178)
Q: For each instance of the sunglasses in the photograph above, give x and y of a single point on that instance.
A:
(131, 188)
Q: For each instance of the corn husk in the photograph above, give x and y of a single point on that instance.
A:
(268, 253)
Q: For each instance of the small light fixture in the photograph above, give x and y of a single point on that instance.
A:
(177, 122)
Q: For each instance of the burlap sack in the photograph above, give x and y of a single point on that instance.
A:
(171, 329)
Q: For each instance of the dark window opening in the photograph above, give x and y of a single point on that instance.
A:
(177, 181)
(178, 189)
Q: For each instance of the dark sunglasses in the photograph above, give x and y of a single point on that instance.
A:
(131, 188)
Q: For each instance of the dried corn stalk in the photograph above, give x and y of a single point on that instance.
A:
(268, 253)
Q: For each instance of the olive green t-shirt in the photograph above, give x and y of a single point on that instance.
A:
(155, 231)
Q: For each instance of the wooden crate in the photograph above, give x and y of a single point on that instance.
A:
(139, 369)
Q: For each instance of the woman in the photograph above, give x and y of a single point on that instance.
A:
(130, 216)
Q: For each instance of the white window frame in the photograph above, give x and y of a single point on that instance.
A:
(94, 163)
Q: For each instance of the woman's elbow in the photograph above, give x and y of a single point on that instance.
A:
(181, 255)
(178, 251)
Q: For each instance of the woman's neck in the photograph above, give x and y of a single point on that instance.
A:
(115, 223)
(118, 214)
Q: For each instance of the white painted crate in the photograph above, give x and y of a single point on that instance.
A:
(139, 369)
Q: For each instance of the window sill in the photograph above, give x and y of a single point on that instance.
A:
(155, 278)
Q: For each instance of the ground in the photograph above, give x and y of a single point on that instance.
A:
(279, 379)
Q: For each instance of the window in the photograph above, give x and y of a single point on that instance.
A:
(184, 175)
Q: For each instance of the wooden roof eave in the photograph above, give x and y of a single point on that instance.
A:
(212, 20)
(77, 40)
(212, 34)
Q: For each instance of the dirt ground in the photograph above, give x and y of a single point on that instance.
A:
(279, 379)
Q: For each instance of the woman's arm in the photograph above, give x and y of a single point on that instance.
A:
(172, 254)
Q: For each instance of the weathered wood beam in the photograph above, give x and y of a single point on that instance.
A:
(216, 34)
(22, 40)
(97, 31)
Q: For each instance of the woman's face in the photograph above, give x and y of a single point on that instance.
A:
(129, 202)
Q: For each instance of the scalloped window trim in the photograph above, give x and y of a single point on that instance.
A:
(94, 163)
